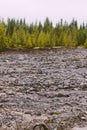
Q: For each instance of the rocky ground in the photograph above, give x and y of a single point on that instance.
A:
(45, 88)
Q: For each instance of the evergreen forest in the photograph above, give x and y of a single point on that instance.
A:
(18, 34)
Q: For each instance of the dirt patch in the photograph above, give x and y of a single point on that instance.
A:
(45, 88)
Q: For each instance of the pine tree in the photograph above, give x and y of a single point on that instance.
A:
(3, 37)
(47, 40)
(15, 41)
(85, 44)
(28, 41)
(41, 40)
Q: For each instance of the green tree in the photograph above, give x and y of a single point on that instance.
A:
(11, 23)
(53, 40)
(15, 41)
(3, 37)
(47, 40)
(28, 41)
(67, 40)
(47, 25)
(85, 44)
(18, 38)
(41, 40)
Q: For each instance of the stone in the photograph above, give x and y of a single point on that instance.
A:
(78, 128)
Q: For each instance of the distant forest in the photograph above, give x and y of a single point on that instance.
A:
(18, 34)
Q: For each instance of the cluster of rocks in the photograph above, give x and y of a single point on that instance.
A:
(43, 87)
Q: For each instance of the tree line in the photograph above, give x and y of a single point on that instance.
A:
(18, 34)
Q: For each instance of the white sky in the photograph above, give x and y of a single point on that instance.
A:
(33, 10)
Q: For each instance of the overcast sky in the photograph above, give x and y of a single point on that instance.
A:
(35, 10)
